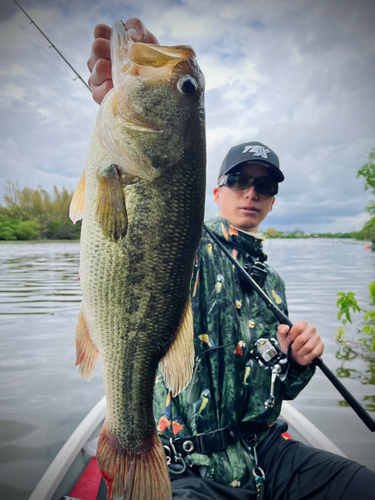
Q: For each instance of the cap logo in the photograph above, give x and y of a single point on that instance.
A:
(257, 150)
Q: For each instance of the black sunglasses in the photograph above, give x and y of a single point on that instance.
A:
(240, 181)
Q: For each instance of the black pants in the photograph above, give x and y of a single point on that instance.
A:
(293, 471)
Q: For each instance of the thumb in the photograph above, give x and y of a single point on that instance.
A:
(283, 331)
(282, 337)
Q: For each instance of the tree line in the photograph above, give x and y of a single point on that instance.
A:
(367, 172)
(35, 214)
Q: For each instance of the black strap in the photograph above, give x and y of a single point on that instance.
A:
(218, 439)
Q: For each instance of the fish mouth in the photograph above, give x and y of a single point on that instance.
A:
(126, 120)
(143, 59)
(152, 63)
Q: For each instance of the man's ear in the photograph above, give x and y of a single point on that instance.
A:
(271, 207)
(217, 195)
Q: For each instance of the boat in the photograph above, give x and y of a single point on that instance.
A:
(76, 459)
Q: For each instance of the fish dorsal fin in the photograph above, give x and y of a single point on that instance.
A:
(177, 364)
(78, 200)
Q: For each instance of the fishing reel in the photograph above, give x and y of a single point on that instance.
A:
(257, 270)
(269, 355)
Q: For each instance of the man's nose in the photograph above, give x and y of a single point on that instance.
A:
(251, 193)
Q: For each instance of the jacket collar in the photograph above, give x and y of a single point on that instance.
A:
(247, 242)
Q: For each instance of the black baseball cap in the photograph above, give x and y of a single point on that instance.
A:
(249, 152)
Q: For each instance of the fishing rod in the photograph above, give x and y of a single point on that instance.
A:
(280, 316)
(52, 45)
(284, 320)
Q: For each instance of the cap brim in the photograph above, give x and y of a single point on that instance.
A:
(276, 172)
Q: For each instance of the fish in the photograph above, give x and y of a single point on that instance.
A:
(141, 200)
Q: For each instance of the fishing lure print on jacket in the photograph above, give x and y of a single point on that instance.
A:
(141, 198)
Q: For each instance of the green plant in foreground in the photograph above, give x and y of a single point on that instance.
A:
(346, 304)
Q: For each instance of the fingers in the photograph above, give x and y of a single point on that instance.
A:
(102, 31)
(99, 62)
(306, 342)
(283, 331)
(101, 45)
(99, 92)
(138, 31)
(101, 72)
(100, 49)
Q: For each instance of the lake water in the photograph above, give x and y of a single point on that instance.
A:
(43, 398)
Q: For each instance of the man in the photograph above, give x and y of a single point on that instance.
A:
(220, 431)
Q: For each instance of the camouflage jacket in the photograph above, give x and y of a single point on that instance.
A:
(228, 385)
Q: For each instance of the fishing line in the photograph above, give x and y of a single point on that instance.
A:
(280, 316)
(89, 100)
(52, 71)
(49, 41)
(55, 74)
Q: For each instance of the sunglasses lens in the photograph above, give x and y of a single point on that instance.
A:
(265, 185)
(237, 181)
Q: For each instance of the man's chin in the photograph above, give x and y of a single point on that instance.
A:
(248, 224)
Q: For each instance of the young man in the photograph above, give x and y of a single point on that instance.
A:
(221, 430)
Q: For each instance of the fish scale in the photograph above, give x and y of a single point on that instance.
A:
(141, 198)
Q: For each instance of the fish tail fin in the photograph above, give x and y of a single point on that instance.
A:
(87, 355)
(137, 475)
(177, 365)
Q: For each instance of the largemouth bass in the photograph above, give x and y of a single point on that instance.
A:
(141, 198)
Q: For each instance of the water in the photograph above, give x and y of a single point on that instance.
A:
(43, 398)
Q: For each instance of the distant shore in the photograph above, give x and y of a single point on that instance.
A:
(38, 241)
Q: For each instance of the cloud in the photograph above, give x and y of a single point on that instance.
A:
(295, 76)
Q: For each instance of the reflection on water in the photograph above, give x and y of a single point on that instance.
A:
(314, 271)
(43, 398)
(349, 352)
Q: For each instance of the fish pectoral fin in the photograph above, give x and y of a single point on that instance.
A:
(87, 355)
(177, 365)
(77, 203)
(111, 208)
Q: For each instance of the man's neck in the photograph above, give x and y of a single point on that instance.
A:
(250, 233)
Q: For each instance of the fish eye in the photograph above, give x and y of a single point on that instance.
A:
(187, 85)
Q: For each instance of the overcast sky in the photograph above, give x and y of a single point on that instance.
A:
(298, 76)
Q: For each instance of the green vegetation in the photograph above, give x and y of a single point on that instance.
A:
(368, 173)
(34, 214)
(297, 233)
(11, 229)
(346, 304)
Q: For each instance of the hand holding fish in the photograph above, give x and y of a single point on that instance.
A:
(306, 342)
(99, 62)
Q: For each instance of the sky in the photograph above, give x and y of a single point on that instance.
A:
(297, 76)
